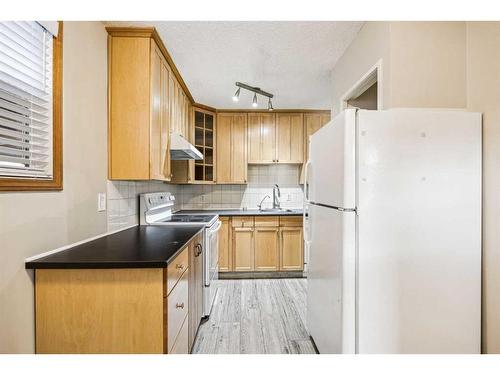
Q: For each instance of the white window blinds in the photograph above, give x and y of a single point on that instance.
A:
(25, 100)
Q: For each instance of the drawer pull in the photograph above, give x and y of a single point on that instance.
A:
(179, 266)
(179, 305)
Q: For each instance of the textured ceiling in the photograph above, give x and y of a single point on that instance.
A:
(291, 60)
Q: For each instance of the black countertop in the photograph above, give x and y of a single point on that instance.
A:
(249, 212)
(137, 247)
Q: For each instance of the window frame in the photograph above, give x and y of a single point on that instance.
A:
(56, 183)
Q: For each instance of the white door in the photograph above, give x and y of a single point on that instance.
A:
(332, 163)
(331, 280)
(419, 241)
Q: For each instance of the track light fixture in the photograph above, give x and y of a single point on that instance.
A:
(236, 95)
(255, 90)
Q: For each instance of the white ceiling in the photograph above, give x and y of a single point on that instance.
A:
(291, 60)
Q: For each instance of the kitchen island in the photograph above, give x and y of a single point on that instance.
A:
(127, 292)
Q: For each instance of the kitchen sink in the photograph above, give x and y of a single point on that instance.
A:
(276, 210)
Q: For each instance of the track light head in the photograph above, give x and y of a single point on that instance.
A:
(254, 102)
(270, 105)
(236, 95)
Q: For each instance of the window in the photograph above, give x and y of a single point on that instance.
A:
(30, 107)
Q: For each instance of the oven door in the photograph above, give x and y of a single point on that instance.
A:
(212, 253)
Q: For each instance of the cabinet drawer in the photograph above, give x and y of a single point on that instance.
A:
(177, 309)
(242, 221)
(291, 221)
(266, 221)
(176, 269)
(181, 345)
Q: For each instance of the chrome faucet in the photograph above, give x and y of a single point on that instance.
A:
(262, 201)
(276, 197)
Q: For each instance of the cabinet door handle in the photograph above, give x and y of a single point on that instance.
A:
(179, 305)
(179, 266)
(199, 250)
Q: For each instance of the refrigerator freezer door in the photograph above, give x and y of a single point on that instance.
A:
(332, 162)
(331, 280)
(419, 231)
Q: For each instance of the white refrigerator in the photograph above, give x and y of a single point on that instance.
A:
(393, 232)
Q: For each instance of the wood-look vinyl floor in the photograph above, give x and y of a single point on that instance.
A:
(258, 316)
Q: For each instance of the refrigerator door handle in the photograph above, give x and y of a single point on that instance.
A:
(306, 182)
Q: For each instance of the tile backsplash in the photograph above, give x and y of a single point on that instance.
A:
(123, 202)
(261, 179)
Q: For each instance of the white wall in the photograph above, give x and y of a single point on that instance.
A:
(370, 45)
(427, 67)
(483, 95)
(423, 64)
(31, 223)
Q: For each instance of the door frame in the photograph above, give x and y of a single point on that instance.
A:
(374, 74)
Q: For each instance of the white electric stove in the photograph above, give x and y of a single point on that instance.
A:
(157, 209)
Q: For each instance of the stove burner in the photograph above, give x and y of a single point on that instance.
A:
(188, 219)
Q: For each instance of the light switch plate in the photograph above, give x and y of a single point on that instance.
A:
(101, 202)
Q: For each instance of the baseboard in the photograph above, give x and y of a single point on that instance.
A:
(261, 275)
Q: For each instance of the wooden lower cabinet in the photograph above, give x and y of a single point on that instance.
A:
(292, 249)
(119, 311)
(266, 248)
(261, 243)
(177, 309)
(243, 248)
(225, 254)
(99, 311)
(181, 345)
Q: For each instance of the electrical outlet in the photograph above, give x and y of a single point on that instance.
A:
(289, 197)
(101, 202)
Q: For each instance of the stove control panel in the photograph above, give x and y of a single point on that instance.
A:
(155, 206)
(156, 200)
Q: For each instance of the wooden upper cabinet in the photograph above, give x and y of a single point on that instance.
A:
(239, 149)
(261, 138)
(130, 108)
(312, 123)
(275, 138)
(224, 124)
(231, 148)
(139, 123)
(289, 138)
(179, 109)
(156, 114)
(165, 162)
(183, 171)
(160, 167)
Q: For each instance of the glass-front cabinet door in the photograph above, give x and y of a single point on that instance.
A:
(204, 135)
